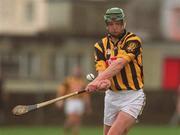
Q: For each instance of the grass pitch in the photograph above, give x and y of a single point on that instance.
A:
(138, 130)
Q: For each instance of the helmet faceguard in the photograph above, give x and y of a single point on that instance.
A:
(115, 14)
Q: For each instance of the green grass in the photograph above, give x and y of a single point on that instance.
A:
(45, 131)
(138, 130)
(155, 130)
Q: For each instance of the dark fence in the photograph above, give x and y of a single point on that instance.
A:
(159, 108)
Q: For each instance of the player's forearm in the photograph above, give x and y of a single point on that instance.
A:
(112, 70)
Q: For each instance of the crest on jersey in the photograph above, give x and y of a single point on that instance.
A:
(131, 47)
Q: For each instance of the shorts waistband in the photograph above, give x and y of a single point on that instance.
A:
(122, 91)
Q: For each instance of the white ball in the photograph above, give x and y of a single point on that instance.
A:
(90, 77)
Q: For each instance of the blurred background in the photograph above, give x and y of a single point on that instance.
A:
(41, 40)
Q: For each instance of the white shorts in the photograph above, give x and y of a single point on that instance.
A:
(131, 102)
(74, 106)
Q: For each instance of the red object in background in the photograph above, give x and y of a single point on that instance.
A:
(171, 73)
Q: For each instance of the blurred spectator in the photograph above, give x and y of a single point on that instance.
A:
(170, 10)
(176, 116)
(75, 106)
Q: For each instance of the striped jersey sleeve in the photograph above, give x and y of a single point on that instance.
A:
(100, 60)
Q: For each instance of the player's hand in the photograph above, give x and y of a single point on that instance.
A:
(104, 85)
(101, 85)
(92, 87)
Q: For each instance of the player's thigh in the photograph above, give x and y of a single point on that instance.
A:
(122, 124)
(106, 129)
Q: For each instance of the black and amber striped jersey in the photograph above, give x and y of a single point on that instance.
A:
(128, 47)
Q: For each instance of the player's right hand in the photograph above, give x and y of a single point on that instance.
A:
(92, 86)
